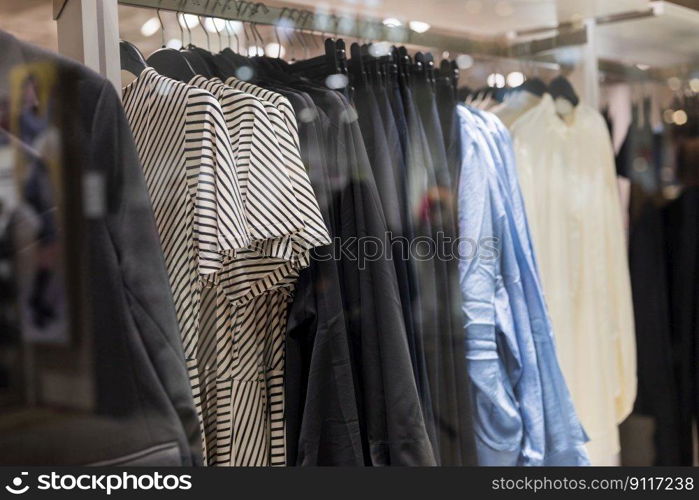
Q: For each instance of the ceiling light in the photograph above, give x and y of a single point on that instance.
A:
(667, 116)
(254, 50)
(275, 50)
(392, 22)
(244, 73)
(694, 84)
(150, 27)
(214, 25)
(419, 26)
(496, 80)
(679, 117)
(174, 43)
(188, 20)
(674, 83)
(380, 49)
(234, 27)
(464, 61)
(515, 79)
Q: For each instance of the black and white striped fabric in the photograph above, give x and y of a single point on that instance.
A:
(231, 195)
(252, 292)
(185, 152)
(281, 115)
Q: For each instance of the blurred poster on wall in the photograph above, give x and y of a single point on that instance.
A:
(33, 205)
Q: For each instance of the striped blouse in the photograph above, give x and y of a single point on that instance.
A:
(185, 152)
(257, 221)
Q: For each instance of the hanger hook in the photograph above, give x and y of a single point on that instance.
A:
(189, 30)
(288, 31)
(180, 19)
(238, 5)
(162, 27)
(276, 32)
(292, 35)
(244, 6)
(218, 31)
(237, 40)
(255, 31)
(206, 32)
(262, 40)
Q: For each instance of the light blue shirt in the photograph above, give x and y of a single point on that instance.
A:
(524, 412)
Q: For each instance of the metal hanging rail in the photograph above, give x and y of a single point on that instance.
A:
(359, 27)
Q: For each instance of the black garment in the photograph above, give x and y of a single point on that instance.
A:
(367, 323)
(446, 105)
(322, 429)
(143, 412)
(664, 267)
(386, 166)
(657, 391)
(419, 181)
(405, 266)
(453, 416)
(395, 428)
(641, 146)
(681, 218)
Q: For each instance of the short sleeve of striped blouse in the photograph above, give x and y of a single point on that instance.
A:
(219, 220)
(268, 197)
(282, 117)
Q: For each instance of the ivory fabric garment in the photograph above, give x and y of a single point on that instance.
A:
(567, 175)
(514, 106)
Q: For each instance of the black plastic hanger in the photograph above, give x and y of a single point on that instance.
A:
(392, 70)
(419, 68)
(535, 86)
(429, 68)
(332, 62)
(195, 56)
(196, 60)
(131, 58)
(445, 68)
(170, 62)
(341, 57)
(561, 87)
(455, 74)
(405, 66)
(357, 71)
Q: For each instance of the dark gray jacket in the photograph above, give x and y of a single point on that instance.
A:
(123, 321)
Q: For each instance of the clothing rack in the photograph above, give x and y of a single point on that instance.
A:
(359, 27)
(89, 31)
